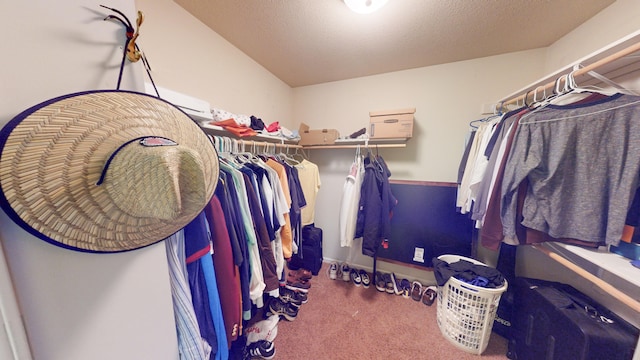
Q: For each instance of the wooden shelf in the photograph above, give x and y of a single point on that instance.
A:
(353, 143)
(260, 139)
(250, 140)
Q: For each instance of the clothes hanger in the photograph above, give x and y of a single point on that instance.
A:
(571, 87)
(299, 156)
(471, 124)
(286, 158)
(615, 87)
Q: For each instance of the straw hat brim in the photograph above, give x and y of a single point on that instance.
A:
(52, 155)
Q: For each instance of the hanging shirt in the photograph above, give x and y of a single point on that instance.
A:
(351, 201)
(256, 285)
(190, 344)
(309, 176)
(582, 163)
(285, 232)
(227, 274)
(229, 204)
(498, 146)
(206, 303)
(376, 203)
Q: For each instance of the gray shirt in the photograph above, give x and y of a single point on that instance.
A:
(582, 163)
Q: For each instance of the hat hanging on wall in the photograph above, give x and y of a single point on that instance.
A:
(158, 170)
(105, 170)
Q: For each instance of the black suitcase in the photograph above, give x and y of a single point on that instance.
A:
(555, 321)
(309, 254)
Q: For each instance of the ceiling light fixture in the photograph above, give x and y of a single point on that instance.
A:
(364, 6)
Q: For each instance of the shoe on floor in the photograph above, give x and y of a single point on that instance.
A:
(405, 286)
(416, 291)
(429, 296)
(395, 285)
(261, 349)
(390, 283)
(346, 272)
(298, 285)
(364, 278)
(381, 283)
(355, 277)
(280, 308)
(302, 274)
(303, 296)
(333, 271)
(298, 275)
(290, 296)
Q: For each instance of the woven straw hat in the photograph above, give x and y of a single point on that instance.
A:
(105, 171)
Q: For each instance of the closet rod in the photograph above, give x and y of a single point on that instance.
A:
(246, 142)
(606, 287)
(606, 60)
(267, 143)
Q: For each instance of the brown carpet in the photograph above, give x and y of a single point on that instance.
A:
(342, 321)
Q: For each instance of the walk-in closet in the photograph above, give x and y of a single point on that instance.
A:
(191, 179)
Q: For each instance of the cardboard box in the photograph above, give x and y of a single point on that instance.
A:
(317, 137)
(391, 124)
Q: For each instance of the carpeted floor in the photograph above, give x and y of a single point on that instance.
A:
(342, 321)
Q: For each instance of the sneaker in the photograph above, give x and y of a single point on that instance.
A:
(280, 308)
(364, 277)
(416, 291)
(304, 297)
(405, 286)
(298, 285)
(396, 284)
(345, 272)
(429, 295)
(261, 349)
(290, 296)
(381, 282)
(333, 271)
(390, 283)
(355, 277)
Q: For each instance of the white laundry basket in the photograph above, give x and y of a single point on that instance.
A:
(465, 312)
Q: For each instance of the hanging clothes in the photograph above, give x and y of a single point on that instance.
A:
(309, 175)
(376, 204)
(582, 163)
(494, 152)
(351, 201)
(560, 173)
(230, 208)
(204, 287)
(267, 259)
(236, 185)
(228, 278)
(285, 232)
(190, 344)
(476, 165)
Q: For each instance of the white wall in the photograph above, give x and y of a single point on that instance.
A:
(78, 305)
(13, 338)
(188, 57)
(614, 22)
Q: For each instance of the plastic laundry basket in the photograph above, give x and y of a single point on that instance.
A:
(465, 312)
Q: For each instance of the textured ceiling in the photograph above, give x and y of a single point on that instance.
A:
(306, 42)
